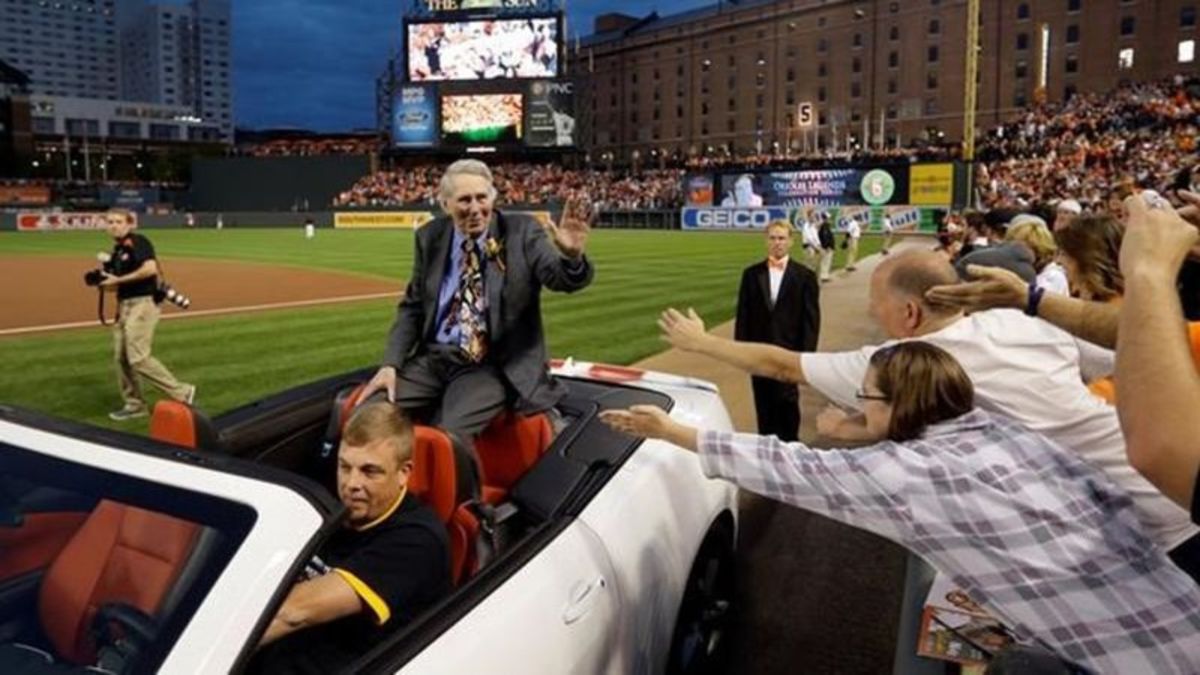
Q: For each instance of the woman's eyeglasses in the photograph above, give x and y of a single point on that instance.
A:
(864, 396)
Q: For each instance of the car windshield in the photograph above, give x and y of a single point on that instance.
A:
(101, 570)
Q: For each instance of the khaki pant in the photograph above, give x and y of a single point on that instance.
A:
(826, 263)
(133, 334)
(851, 253)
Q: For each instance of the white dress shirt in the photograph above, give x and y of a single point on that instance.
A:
(776, 277)
(1033, 372)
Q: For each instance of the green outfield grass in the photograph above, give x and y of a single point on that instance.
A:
(236, 359)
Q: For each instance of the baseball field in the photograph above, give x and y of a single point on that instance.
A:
(271, 309)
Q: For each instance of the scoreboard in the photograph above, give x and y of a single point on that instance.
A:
(484, 74)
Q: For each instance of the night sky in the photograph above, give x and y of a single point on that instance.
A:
(312, 63)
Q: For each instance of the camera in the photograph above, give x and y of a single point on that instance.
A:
(94, 277)
(168, 292)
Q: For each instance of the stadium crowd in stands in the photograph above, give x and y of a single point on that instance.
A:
(1139, 135)
(529, 184)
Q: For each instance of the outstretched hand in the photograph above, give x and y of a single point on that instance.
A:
(993, 287)
(647, 421)
(1157, 240)
(570, 235)
(682, 331)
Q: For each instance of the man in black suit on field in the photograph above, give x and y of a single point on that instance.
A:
(467, 341)
(778, 303)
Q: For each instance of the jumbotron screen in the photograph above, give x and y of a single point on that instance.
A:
(482, 118)
(483, 49)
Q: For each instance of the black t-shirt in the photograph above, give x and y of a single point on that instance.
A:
(399, 568)
(130, 253)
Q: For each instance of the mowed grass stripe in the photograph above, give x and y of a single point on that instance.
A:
(239, 358)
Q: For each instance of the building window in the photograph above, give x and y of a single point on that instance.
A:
(1019, 99)
(1187, 17)
(821, 94)
(894, 33)
(822, 69)
(893, 87)
(931, 106)
(935, 26)
(931, 81)
(1072, 65)
(1125, 59)
(1073, 34)
(1022, 41)
(1128, 25)
(1068, 92)
(732, 104)
(893, 60)
(857, 41)
(856, 65)
(1072, 6)
(1187, 51)
(1023, 11)
(822, 46)
(1022, 70)
(855, 89)
(791, 74)
(932, 55)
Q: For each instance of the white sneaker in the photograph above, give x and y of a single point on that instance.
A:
(127, 413)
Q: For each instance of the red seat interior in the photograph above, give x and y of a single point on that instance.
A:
(508, 448)
(120, 554)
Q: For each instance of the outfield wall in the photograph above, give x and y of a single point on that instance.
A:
(272, 183)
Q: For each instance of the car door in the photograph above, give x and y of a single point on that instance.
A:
(557, 614)
(247, 530)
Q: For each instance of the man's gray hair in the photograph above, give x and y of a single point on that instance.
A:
(464, 167)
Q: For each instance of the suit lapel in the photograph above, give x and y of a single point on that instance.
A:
(494, 276)
(435, 270)
(764, 283)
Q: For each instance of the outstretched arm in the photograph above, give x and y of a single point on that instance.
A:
(686, 332)
(994, 287)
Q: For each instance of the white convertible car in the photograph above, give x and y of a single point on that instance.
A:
(575, 549)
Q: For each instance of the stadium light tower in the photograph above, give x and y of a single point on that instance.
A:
(971, 89)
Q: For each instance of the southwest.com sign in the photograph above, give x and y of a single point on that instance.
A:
(732, 218)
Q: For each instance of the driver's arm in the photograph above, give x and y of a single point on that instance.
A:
(312, 603)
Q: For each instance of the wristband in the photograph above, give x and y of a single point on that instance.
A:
(1035, 298)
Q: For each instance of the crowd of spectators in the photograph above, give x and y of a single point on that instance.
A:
(1093, 148)
(529, 184)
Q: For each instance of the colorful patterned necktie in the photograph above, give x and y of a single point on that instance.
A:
(471, 322)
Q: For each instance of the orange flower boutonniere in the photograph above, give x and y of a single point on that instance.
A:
(495, 252)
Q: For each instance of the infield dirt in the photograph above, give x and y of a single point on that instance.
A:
(49, 290)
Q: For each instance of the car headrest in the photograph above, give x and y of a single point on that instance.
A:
(179, 423)
(434, 477)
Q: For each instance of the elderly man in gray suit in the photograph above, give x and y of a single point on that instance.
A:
(467, 341)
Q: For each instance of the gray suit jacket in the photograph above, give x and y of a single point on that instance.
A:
(513, 280)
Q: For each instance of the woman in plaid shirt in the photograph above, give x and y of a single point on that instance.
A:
(1042, 540)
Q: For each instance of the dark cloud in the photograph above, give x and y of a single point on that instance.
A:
(313, 63)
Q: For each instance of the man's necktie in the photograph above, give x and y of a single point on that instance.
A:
(471, 321)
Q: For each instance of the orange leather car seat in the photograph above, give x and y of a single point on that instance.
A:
(508, 448)
(120, 554)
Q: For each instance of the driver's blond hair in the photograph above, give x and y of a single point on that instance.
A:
(377, 421)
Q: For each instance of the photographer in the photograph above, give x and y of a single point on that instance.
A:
(133, 273)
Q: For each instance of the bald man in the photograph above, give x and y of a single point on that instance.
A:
(1024, 368)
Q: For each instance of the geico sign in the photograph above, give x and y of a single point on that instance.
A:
(731, 219)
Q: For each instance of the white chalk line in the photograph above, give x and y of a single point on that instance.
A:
(190, 314)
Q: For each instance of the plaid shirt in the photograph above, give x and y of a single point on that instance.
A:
(1044, 541)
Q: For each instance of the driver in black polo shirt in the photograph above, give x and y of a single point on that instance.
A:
(389, 563)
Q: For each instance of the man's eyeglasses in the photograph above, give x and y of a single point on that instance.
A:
(864, 396)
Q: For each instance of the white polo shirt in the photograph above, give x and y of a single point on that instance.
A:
(1033, 372)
